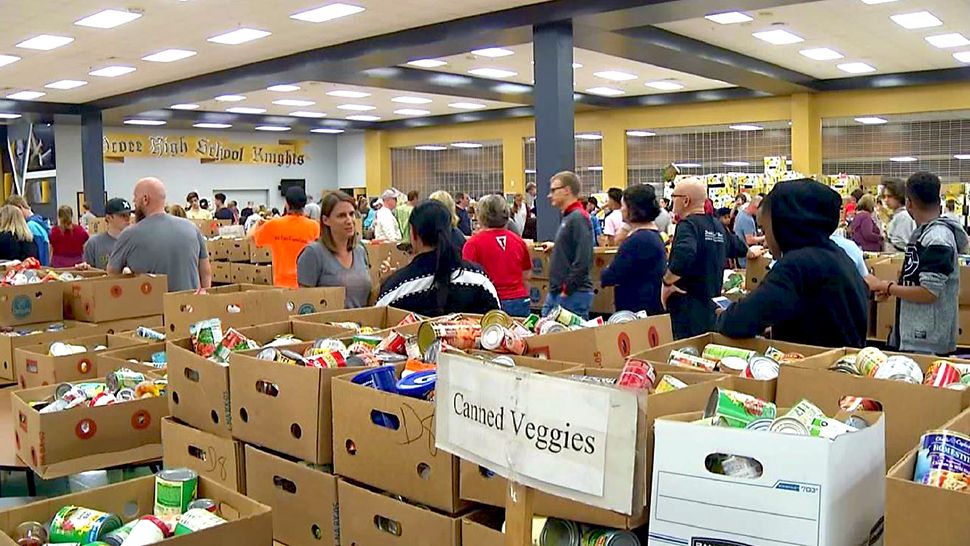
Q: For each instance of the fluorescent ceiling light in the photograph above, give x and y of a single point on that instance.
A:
(212, 125)
(348, 94)
(325, 131)
(184, 106)
(943, 41)
(412, 112)
(917, 19)
(871, 120)
(411, 100)
(465, 145)
(8, 59)
(245, 110)
(530, 171)
(271, 128)
(605, 91)
(112, 71)
(427, 63)
(468, 105)
(746, 127)
(577, 65)
(615, 75)
(688, 165)
(45, 42)
(294, 102)
(492, 73)
(327, 13)
(640, 134)
(778, 37)
(872, 2)
(963, 56)
(363, 117)
(595, 168)
(307, 114)
(230, 98)
(589, 136)
(285, 88)
(239, 36)
(108, 18)
(821, 54)
(9, 116)
(357, 107)
(665, 85)
(957, 156)
(856, 68)
(66, 84)
(493, 52)
(26, 95)
(729, 18)
(169, 55)
(150, 122)
(735, 163)
(430, 148)
(903, 159)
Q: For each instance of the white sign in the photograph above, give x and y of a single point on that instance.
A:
(563, 437)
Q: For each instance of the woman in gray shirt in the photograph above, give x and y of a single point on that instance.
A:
(337, 259)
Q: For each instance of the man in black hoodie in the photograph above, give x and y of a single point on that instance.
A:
(813, 294)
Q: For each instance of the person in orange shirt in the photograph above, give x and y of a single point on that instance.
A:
(286, 237)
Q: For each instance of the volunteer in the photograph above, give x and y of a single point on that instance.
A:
(614, 219)
(311, 210)
(663, 220)
(502, 254)
(813, 294)
(901, 226)
(385, 224)
(464, 218)
(222, 211)
(162, 244)
(286, 237)
(16, 240)
(38, 228)
(637, 270)
(177, 211)
(531, 191)
(195, 210)
(338, 258)
(403, 214)
(928, 289)
(570, 285)
(437, 281)
(117, 217)
(695, 270)
(234, 208)
(520, 212)
(67, 239)
(863, 228)
(87, 217)
(592, 205)
(745, 227)
(457, 237)
(951, 210)
(853, 251)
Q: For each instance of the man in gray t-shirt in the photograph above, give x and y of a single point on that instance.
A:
(98, 249)
(162, 244)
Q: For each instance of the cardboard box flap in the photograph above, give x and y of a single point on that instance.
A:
(214, 457)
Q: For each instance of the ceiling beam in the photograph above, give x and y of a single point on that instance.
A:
(661, 12)
(10, 106)
(903, 79)
(464, 117)
(687, 97)
(117, 118)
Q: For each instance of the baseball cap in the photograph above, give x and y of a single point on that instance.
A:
(117, 206)
(296, 197)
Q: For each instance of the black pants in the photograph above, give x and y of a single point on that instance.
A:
(690, 316)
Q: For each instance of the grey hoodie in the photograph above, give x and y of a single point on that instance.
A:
(931, 262)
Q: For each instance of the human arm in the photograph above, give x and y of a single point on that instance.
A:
(772, 302)
(935, 266)
(308, 268)
(581, 234)
(205, 266)
(470, 251)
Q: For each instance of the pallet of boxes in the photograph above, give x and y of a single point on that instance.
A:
(237, 260)
(539, 281)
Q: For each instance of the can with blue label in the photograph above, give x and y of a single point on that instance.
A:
(418, 384)
(382, 378)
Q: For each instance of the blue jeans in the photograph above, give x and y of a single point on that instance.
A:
(517, 307)
(578, 303)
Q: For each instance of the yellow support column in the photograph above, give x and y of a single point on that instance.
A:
(614, 157)
(806, 134)
(513, 164)
(377, 161)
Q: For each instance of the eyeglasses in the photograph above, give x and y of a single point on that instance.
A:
(556, 188)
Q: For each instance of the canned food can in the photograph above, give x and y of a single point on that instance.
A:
(856, 422)
(118, 536)
(411, 349)
(690, 350)
(148, 333)
(497, 316)
(686, 360)
(761, 368)
(195, 520)
(899, 368)
(123, 378)
(346, 325)
(565, 317)
(789, 425)
(868, 360)
(597, 536)
(381, 378)
(125, 395)
(591, 323)
(805, 412)
(331, 360)
(774, 353)
(637, 374)
(551, 327)
(83, 525)
(760, 424)
(943, 460)
(734, 365)
(102, 399)
(393, 343)
(501, 339)
(530, 322)
(622, 317)
(330, 344)
(858, 403)
(941, 373)
(828, 428)
(594, 379)
(175, 488)
(60, 348)
(713, 351)
(410, 318)
(669, 383)
(418, 384)
(556, 531)
(147, 530)
(290, 357)
(738, 409)
(269, 353)
(741, 467)
(209, 505)
(846, 365)
(369, 339)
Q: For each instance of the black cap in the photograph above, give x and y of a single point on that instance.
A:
(117, 206)
(295, 198)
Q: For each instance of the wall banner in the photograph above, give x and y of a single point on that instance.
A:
(206, 149)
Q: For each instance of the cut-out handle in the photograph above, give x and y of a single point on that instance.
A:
(734, 466)
(388, 525)
(384, 419)
(191, 375)
(284, 484)
(233, 308)
(859, 403)
(197, 452)
(268, 388)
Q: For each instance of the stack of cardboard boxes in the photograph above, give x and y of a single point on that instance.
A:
(603, 302)
(239, 261)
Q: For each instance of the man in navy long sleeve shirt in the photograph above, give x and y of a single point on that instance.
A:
(570, 284)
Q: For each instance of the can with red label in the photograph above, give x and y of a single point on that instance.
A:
(941, 373)
(857, 403)
(501, 339)
(637, 374)
(333, 359)
(411, 318)
(393, 343)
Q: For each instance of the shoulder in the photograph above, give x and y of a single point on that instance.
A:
(938, 234)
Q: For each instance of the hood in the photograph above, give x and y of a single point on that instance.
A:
(803, 213)
(40, 221)
(959, 234)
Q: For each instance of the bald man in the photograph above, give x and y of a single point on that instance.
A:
(162, 244)
(695, 271)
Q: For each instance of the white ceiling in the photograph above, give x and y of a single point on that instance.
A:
(861, 32)
(186, 25)
(591, 61)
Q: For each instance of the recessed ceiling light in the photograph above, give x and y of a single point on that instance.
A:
(294, 102)
(65, 84)
(468, 105)
(412, 112)
(271, 128)
(108, 18)
(411, 100)
(430, 148)
(605, 91)
(285, 88)
(327, 13)
(9, 116)
(957, 156)
(735, 163)
(589, 136)
(169, 55)
(326, 131)
(466, 145)
(943, 41)
(640, 133)
(746, 127)
(871, 120)
(184, 106)
(595, 168)
(963, 56)
(492, 73)
(307, 114)
(577, 65)
(903, 159)
(149, 122)
(530, 171)
(230, 98)
(917, 19)
(615, 75)
(821, 54)
(493, 52)
(856, 68)
(112, 71)
(357, 107)
(212, 125)
(45, 42)
(239, 36)
(729, 18)
(363, 117)
(778, 37)
(246, 110)
(348, 94)
(26, 95)
(427, 63)
(872, 2)
(8, 59)
(665, 85)
(688, 165)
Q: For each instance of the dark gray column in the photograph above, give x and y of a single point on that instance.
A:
(554, 115)
(92, 159)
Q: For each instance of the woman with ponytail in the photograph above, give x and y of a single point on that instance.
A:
(437, 281)
(67, 239)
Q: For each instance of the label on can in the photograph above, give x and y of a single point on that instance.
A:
(737, 408)
(174, 490)
(686, 360)
(716, 352)
(196, 519)
(943, 460)
(77, 524)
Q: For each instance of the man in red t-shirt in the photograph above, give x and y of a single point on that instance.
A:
(502, 254)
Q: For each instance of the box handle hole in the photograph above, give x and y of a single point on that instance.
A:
(175, 397)
(859, 403)
(351, 447)
(486, 473)
(243, 414)
(384, 419)
(316, 532)
(284, 484)
(424, 471)
(191, 375)
(197, 453)
(735, 466)
(186, 308)
(233, 309)
(267, 388)
(387, 525)
(296, 431)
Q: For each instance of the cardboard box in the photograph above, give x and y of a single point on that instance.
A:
(112, 359)
(239, 250)
(263, 275)
(237, 305)
(886, 269)
(217, 249)
(154, 322)
(380, 318)
(963, 322)
(540, 262)
(921, 514)
(222, 460)
(605, 346)
(259, 255)
(550, 366)
(97, 225)
(403, 460)
(910, 410)
(964, 285)
(602, 258)
(538, 290)
(116, 297)
(83, 438)
(307, 301)
(604, 300)
(811, 491)
(483, 528)
(221, 272)
(8, 343)
(242, 273)
(32, 303)
(210, 228)
(303, 499)
(369, 518)
(37, 368)
(250, 523)
(755, 272)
